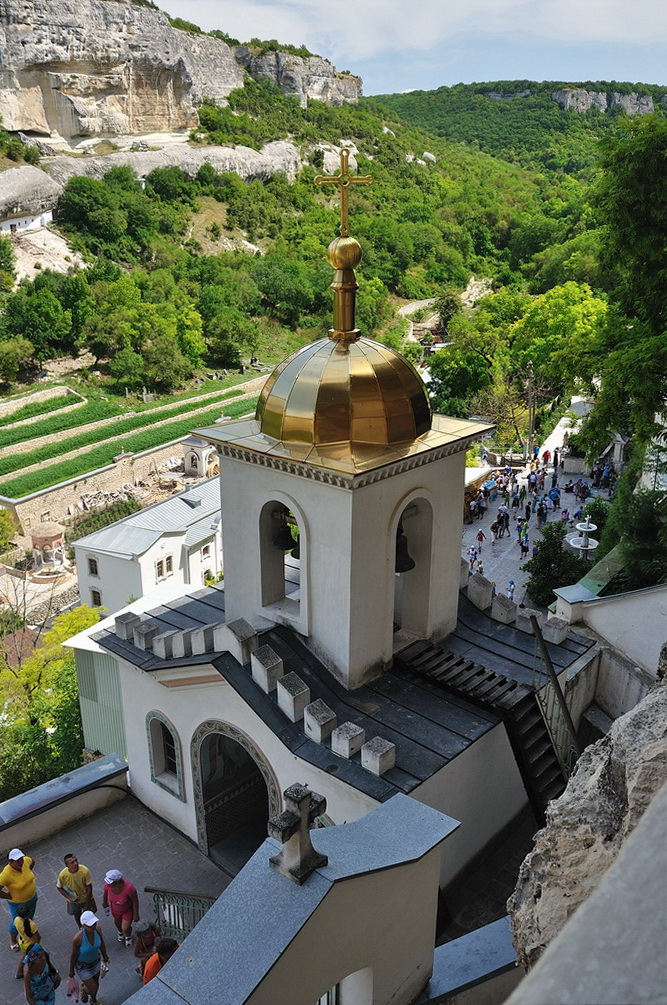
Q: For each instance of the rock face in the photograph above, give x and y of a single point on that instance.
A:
(27, 191)
(613, 784)
(73, 68)
(311, 77)
(278, 157)
(582, 101)
(83, 67)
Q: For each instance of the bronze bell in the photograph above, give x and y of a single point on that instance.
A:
(284, 540)
(404, 561)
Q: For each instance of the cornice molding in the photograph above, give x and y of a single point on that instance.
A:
(339, 479)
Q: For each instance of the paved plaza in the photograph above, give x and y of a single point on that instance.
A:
(148, 851)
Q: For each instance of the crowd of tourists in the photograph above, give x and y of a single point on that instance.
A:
(522, 501)
(89, 958)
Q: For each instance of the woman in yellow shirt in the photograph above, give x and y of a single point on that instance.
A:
(19, 889)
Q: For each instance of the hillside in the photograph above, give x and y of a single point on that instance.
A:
(553, 125)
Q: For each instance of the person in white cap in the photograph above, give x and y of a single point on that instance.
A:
(121, 896)
(19, 889)
(89, 958)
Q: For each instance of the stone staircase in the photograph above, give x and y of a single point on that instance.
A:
(514, 701)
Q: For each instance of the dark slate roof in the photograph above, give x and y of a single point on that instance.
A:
(505, 649)
(429, 726)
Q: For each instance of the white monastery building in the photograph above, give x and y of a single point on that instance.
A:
(177, 541)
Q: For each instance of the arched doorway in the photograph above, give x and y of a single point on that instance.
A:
(235, 792)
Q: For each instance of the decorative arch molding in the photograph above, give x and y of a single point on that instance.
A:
(166, 780)
(233, 732)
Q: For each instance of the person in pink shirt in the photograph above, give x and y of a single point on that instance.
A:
(121, 896)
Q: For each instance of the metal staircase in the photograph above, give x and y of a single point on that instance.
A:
(515, 702)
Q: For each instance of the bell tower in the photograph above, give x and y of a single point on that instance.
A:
(342, 499)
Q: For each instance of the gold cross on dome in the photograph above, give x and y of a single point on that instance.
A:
(343, 181)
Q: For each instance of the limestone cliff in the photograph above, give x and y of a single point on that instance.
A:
(86, 67)
(304, 77)
(580, 100)
(613, 784)
(73, 68)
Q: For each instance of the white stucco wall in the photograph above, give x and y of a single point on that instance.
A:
(483, 789)
(186, 708)
(635, 623)
(117, 579)
(28, 222)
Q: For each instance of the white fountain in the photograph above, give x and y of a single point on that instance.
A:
(583, 541)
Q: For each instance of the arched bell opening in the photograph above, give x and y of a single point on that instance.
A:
(413, 568)
(282, 560)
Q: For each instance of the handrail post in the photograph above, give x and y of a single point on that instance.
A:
(553, 680)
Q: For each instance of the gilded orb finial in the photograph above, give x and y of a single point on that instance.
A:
(344, 254)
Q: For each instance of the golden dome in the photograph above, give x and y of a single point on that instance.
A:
(330, 392)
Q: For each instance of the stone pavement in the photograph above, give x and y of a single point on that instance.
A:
(148, 851)
(502, 560)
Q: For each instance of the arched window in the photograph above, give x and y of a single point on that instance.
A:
(164, 753)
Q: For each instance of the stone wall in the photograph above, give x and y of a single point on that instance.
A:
(56, 500)
(7, 407)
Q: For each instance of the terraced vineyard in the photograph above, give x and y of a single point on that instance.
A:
(98, 432)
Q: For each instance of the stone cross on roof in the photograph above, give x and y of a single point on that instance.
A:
(297, 858)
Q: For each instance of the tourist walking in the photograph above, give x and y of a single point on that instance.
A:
(75, 884)
(89, 959)
(510, 589)
(19, 889)
(121, 896)
(147, 934)
(481, 537)
(27, 935)
(40, 977)
(165, 950)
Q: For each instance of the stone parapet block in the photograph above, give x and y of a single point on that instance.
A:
(347, 739)
(163, 645)
(555, 630)
(267, 668)
(124, 625)
(378, 755)
(503, 609)
(464, 574)
(144, 632)
(202, 639)
(480, 591)
(523, 616)
(293, 695)
(319, 721)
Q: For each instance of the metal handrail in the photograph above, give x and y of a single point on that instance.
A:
(176, 912)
